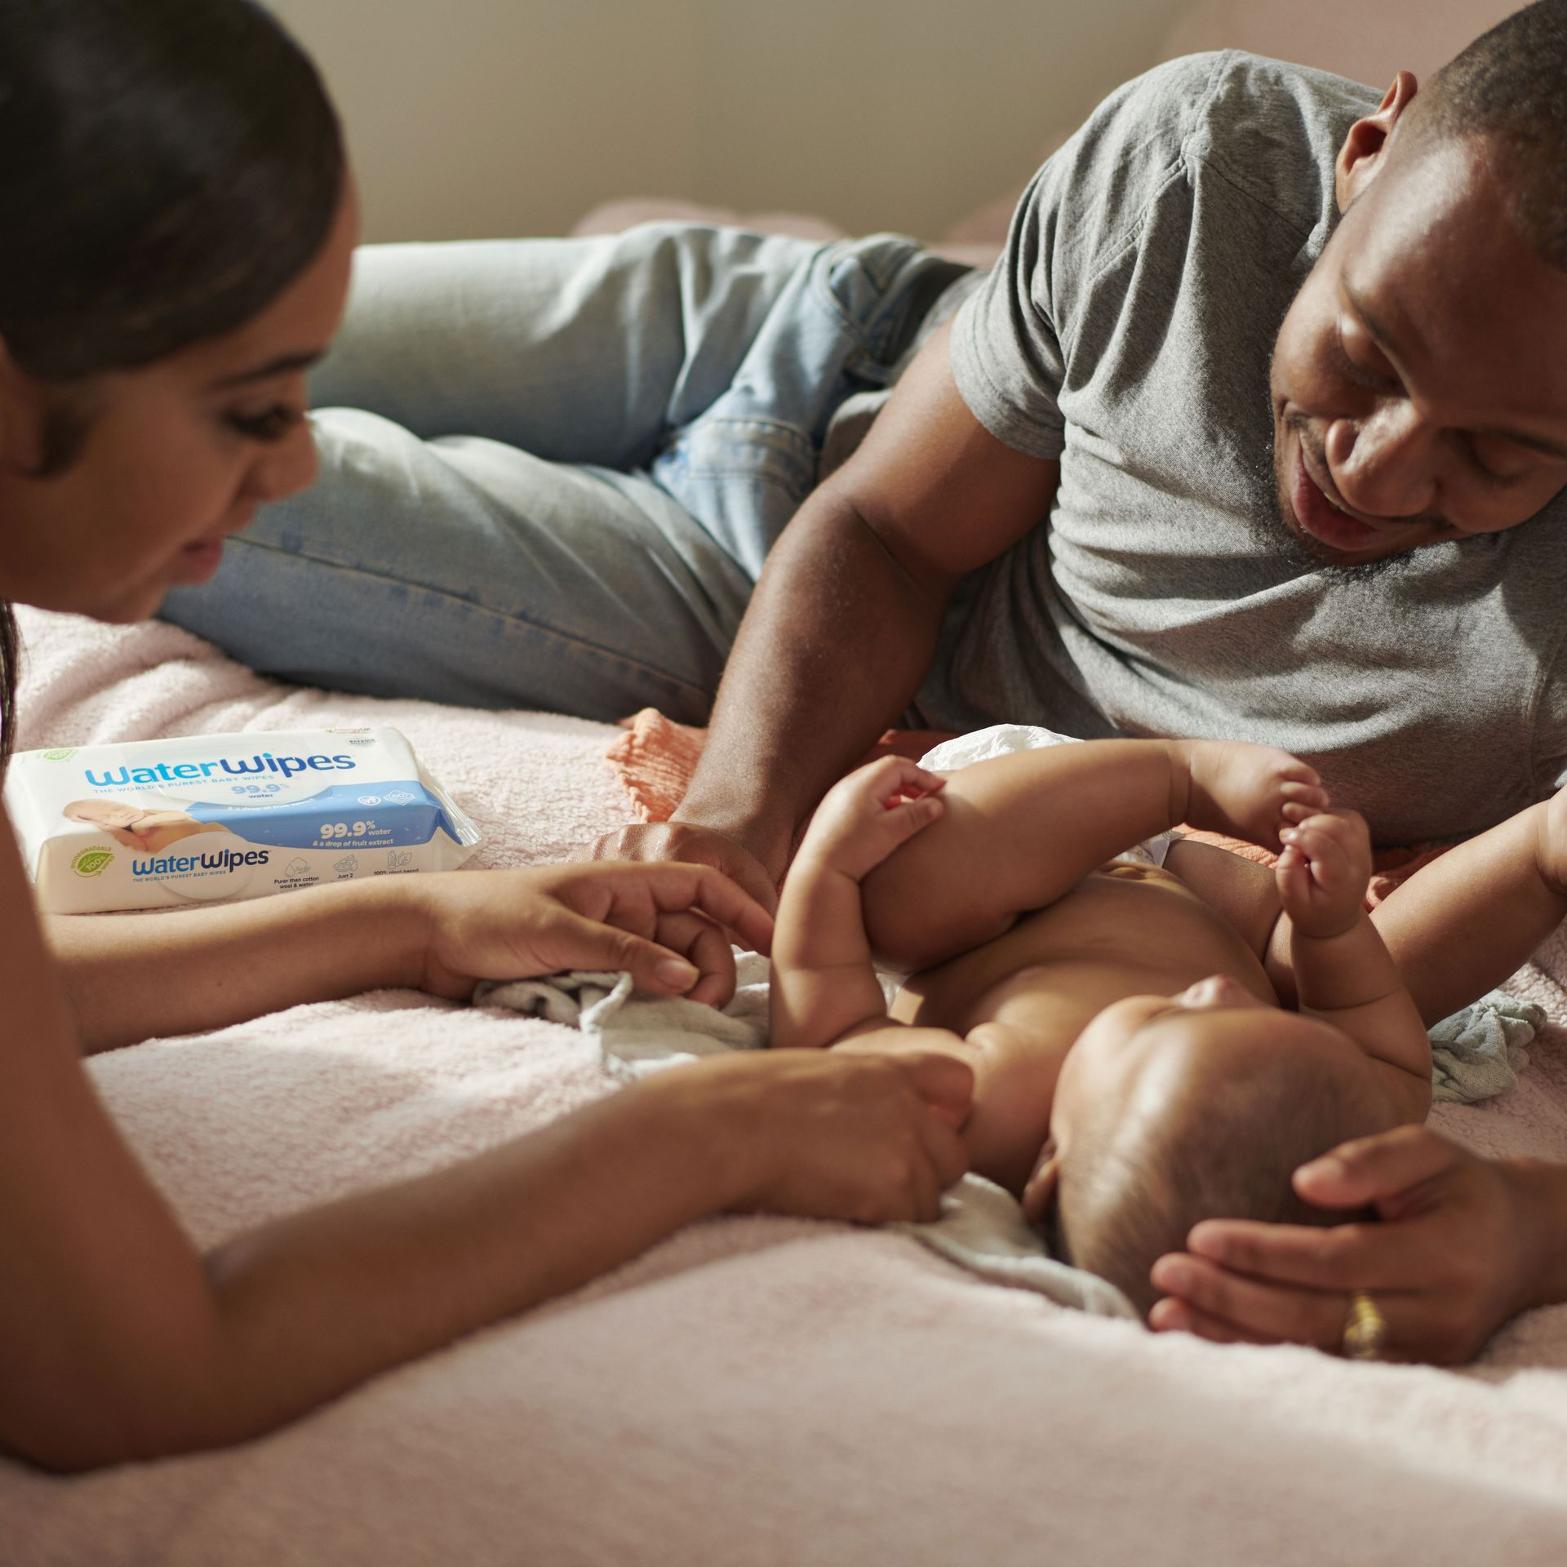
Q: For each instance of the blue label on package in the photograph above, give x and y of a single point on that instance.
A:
(391, 814)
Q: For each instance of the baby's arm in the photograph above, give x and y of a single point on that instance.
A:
(823, 981)
(1021, 831)
(1342, 972)
(825, 991)
(1462, 924)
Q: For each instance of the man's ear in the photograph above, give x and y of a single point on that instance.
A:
(1364, 149)
(1041, 1189)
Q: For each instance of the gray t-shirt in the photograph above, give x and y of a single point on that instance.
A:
(1127, 331)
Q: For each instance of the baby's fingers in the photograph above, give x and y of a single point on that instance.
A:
(909, 781)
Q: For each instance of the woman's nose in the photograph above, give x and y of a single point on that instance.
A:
(287, 469)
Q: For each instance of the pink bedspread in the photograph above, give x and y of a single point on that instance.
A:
(753, 1391)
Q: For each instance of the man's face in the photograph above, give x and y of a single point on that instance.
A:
(1419, 381)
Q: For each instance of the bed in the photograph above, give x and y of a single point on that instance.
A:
(754, 1390)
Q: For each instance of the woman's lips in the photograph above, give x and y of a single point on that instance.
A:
(1323, 520)
(199, 562)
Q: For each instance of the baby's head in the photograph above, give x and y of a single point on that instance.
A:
(1170, 1110)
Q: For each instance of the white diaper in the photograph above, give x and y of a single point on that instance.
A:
(1005, 740)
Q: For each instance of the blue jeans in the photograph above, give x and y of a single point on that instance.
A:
(551, 469)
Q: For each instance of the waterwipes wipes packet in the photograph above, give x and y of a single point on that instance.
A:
(212, 818)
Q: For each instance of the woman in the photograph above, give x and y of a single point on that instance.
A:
(179, 224)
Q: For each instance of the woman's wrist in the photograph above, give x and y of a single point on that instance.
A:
(387, 922)
(699, 1137)
(1539, 1196)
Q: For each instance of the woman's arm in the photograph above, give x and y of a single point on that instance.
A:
(130, 976)
(119, 1341)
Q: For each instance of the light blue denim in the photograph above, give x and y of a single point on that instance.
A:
(551, 469)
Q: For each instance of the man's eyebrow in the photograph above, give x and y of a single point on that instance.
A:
(1538, 443)
(284, 364)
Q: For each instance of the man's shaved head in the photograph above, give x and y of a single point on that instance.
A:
(1510, 86)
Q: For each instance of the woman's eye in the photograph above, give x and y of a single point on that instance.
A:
(272, 424)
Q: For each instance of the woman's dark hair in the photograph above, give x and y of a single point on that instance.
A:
(167, 168)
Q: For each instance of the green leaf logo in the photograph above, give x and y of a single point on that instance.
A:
(92, 862)
(58, 756)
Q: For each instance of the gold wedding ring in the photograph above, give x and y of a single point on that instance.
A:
(1365, 1328)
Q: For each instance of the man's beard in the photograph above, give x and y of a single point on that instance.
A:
(1299, 553)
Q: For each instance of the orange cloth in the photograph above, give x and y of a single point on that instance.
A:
(655, 758)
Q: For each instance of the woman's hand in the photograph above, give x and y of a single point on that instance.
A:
(669, 925)
(1464, 1243)
(822, 1134)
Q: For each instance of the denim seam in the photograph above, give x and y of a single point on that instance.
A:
(606, 655)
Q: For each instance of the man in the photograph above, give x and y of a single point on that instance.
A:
(1302, 475)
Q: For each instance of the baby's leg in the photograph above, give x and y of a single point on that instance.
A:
(1461, 925)
(1020, 831)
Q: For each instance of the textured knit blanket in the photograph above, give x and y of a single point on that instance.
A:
(753, 1390)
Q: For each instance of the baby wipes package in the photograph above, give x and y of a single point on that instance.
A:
(212, 818)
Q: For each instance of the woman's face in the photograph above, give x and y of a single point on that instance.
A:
(176, 456)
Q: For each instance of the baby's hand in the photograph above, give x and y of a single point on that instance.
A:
(1243, 789)
(867, 815)
(1323, 871)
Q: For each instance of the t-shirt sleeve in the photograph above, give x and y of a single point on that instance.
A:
(1013, 341)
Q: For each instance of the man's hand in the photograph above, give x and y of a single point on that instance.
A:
(1323, 870)
(1461, 1248)
(669, 925)
(659, 842)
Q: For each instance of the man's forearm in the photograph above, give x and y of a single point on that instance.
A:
(832, 649)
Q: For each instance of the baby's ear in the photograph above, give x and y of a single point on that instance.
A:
(1040, 1191)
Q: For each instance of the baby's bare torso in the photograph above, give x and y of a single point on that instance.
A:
(1125, 930)
(1021, 1000)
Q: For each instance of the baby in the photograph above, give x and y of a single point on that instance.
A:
(135, 826)
(1153, 1044)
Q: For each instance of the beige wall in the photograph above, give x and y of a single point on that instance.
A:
(480, 117)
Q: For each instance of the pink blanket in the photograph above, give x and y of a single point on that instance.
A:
(754, 1390)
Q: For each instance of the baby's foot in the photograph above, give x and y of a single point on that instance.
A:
(1323, 871)
(1248, 791)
